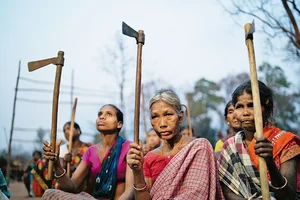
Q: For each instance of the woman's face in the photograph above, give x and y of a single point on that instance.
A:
(152, 138)
(165, 120)
(244, 112)
(230, 118)
(107, 120)
(76, 132)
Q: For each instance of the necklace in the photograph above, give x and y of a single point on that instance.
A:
(177, 147)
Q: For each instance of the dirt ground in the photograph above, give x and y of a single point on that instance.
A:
(18, 192)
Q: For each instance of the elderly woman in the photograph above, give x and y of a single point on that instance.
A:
(181, 168)
(238, 170)
(106, 161)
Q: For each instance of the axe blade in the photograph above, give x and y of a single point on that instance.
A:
(249, 34)
(40, 63)
(127, 30)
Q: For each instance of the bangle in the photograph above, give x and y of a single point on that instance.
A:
(59, 176)
(140, 189)
(279, 188)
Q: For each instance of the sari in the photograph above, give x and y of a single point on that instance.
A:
(190, 174)
(91, 158)
(238, 169)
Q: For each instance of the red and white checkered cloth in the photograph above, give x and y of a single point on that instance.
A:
(191, 174)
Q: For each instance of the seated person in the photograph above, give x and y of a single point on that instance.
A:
(181, 168)
(152, 141)
(238, 161)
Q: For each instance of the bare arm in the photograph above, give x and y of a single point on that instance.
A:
(288, 170)
(66, 183)
(128, 193)
(229, 194)
(135, 160)
(286, 188)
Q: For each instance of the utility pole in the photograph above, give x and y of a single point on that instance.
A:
(72, 90)
(12, 127)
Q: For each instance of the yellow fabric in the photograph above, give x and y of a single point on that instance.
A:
(219, 145)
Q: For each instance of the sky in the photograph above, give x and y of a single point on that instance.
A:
(184, 42)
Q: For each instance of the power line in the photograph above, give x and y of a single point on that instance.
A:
(47, 130)
(109, 94)
(60, 102)
(65, 86)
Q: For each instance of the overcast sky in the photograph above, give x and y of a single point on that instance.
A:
(184, 42)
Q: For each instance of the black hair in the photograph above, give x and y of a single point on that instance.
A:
(265, 93)
(76, 126)
(38, 152)
(118, 113)
(226, 108)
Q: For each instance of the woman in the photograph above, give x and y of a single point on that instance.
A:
(152, 141)
(106, 160)
(74, 158)
(233, 123)
(78, 147)
(238, 170)
(169, 171)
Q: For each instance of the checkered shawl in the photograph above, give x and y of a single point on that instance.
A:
(236, 170)
(191, 174)
(54, 194)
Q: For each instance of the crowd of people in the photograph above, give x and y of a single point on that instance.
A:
(172, 164)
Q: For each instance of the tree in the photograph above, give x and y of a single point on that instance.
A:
(40, 138)
(279, 21)
(232, 81)
(286, 101)
(204, 103)
(116, 64)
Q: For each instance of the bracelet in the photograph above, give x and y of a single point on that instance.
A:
(59, 176)
(140, 189)
(279, 188)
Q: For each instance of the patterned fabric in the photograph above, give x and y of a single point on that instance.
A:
(238, 170)
(106, 180)
(191, 174)
(77, 158)
(53, 194)
(286, 146)
(3, 186)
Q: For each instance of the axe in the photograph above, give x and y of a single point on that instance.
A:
(71, 135)
(140, 40)
(59, 62)
(249, 30)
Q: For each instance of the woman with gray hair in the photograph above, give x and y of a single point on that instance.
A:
(181, 168)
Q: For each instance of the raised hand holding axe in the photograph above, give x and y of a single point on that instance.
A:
(249, 30)
(140, 40)
(59, 62)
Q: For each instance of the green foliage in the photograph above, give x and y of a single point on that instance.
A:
(204, 101)
(286, 105)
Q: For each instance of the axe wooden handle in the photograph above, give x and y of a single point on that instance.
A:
(55, 111)
(71, 135)
(257, 113)
(138, 93)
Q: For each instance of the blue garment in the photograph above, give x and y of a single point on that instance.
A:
(106, 179)
(3, 185)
